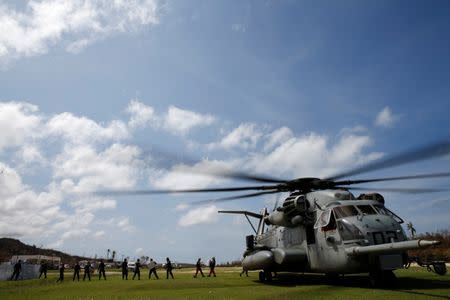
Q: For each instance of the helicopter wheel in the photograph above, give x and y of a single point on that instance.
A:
(262, 276)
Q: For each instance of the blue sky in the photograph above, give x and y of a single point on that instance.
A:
(282, 88)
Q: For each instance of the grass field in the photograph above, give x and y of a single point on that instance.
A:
(414, 283)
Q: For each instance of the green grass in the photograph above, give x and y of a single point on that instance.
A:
(414, 283)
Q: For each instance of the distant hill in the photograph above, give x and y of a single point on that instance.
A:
(10, 247)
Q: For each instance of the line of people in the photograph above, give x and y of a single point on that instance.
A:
(88, 270)
(151, 266)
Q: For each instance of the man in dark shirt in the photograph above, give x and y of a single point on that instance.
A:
(43, 269)
(87, 271)
(125, 269)
(168, 268)
(101, 270)
(16, 271)
(137, 270)
(198, 266)
(76, 271)
(61, 273)
(212, 266)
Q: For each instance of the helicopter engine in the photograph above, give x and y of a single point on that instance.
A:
(293, 212)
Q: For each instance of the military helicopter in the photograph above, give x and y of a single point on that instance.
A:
(321, 227)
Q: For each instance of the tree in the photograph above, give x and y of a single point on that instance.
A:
(113, 255)
(411, 229)
(107, 253)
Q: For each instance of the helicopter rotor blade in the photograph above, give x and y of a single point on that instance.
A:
(399, 190)
(427, 152)
(225, 199)
(419, 176)
(243, 176)
(208, 190)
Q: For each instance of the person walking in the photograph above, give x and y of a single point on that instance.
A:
(101, 270)
(198, 267)
(61, 273)
(244, 271)
(125, 269)
(152, 268)
(76, 271)
(137, 270)
(43, 269)
(212, 266)
(87, 271)
(168, 268)
(16, 270)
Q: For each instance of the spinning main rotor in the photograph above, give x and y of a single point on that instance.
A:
(308, 184)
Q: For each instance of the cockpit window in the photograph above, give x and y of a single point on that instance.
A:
(384, 211)
(367, 209)
(345, 211)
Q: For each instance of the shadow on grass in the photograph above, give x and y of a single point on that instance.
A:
(410, 285)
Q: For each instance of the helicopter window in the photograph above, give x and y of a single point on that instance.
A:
(331, 224)
(367, 209)
(345, 211)
(384, 211)
(349, 231)
(323, 219)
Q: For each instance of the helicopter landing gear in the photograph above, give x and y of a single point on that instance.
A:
(382, 279)
(265, 276)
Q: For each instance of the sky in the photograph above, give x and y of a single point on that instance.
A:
(103, 95)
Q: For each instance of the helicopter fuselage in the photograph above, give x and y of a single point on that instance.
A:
(330, 232)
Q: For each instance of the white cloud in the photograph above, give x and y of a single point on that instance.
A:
(386, 118)
(23, 211)
(180, 121)
(19, 122)
(80, 130)
(198, 175)
(124, 224)
(277, 137)
(84, 169)
(72, 23)
(245, 136)
(313, 155)
(141, 114)
(201, 215)
(99, 234)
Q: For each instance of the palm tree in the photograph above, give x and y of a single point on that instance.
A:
(107, 254)
(113, 255)
(411, 229)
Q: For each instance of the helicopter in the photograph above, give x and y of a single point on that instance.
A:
(321, 227)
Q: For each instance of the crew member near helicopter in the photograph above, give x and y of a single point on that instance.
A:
(168, 268)
(125, 269)
(198, 266)
(76, 271)
(16, 270)
(152, 268)
(137, 270)
(101, 270)
(87, 271)
(212, 266)
(43, 269)
(61, 273)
